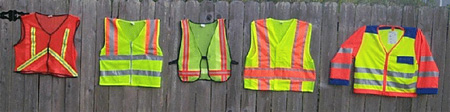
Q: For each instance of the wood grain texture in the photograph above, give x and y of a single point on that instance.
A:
(332, 24)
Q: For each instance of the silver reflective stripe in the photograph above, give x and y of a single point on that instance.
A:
(426, 58)
(134, 57)
(286, 69)
(111, 36)
(368, 82)
(428, 74)
(398, 85)
(128, 72)
(151, 31)
(219, 72)
(368, 70)
(400, 74)
(341, 65)
(345, 50)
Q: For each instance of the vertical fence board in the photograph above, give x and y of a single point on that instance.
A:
(5, 48)
(362, 18)
(248, 99)
(219, 90)
(203, 88)
(192, 10)
(263, 101)
(393, 14)
(147, 11)
(101, 96)
(331, 27)
(31, 92)
(409, 19)
(425, 23)
(445, 76)
(45, 81)
(72, 99)
(327, 51)
(439, 29)
(115, 93)
(314, 16)
(294, 99)
(347, 15)
(16, 98)
(163, 14)
(175, 91)
(281, 12)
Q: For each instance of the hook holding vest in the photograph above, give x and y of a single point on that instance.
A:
(11, 15)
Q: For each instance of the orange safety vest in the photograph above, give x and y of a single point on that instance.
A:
(46, 45)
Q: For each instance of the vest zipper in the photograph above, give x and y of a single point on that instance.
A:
(131, 61)
(385, 72)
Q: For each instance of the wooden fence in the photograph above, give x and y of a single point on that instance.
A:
(332, 24)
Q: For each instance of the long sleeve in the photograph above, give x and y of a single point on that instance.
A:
(341, 64)
(428, 78)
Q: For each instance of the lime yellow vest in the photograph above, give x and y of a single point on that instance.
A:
(131, 55)
(279, 57)
(204, 52)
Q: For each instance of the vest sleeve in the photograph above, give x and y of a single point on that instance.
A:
(428, 77)
(341, 64)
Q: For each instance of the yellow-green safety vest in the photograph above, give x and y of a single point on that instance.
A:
(279, 58)
(131, 55)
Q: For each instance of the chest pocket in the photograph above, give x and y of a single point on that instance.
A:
(405, 59)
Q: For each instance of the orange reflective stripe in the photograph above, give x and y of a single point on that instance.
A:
(111, 36)
(155, 37)
(263, 84)
(147, 36)
(185, 44)
(296, 85)
(223, 53)
(263, 44)
(281, 73)
(299, 44)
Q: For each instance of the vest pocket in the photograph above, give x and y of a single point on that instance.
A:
(405, 59)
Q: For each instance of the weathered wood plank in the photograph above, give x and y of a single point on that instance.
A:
(409, 19)
(314, 16)
(444, 75)
(345, 29)
(45, 81)
(175, 89)
(203, 88)
(425, 22)
(219, 90)
(192, 9)
(328, 48)
(31, 92)
(17, 87)
(115, 93)
(294, 99)
(439, 27)
(129, 10)
(279, 98)
(87, 74)
(393, 17)
(72, 85)
(264, 98)
(144, 104)
(5, 53)
(101, 97)
(362, 18)
(248, 97)
(162, 11)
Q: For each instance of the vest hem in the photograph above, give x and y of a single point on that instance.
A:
(381, 93)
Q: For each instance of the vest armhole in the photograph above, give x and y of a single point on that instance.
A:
(22, 34)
